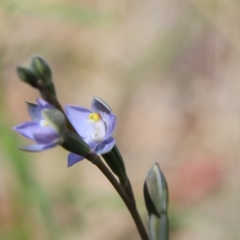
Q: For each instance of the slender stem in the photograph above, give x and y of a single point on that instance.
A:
(163, 230)
(131, 205)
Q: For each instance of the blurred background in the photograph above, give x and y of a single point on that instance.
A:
(170, 71)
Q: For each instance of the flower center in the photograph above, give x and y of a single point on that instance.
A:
(94, 117)
(44, 123)
(98, 127)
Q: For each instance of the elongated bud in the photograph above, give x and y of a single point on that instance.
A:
(156, 191)
(156, 200)
(43, 72)
(39, 76)
(41, 69)
(27, 75)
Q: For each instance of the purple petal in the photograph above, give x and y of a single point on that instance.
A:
(26, 129)
(111, 125)
(43, 104)
(73, 158)
(105, 146)
(38, 147)
(92, 144)
(98, 106)
(34, 111)
(78, 117)
(45, 135)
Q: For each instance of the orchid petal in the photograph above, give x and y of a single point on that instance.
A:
(43, 104)
(78, 117)
(105, 146)
(110, 126)
(73, 158)
(92, 144)
(27, 129)
(42, 133)
(38, 147)
(45, 135)
(98, 105)
(33, 111)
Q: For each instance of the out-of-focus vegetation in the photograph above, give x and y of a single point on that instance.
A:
(169, 70)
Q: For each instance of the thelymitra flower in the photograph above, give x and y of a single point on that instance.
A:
(94, 126)
(47, 127)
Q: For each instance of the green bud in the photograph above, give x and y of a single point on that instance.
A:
(27, 76)
(42, 70)
(156, 191)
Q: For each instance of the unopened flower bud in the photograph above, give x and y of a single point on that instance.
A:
(43, 72)
(156, 191)
(41, 69)
(27, 76)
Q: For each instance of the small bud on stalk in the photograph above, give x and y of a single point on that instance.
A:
(156, 191)
(27, 75)
(156, 200)
(43, 72)
(39, 76)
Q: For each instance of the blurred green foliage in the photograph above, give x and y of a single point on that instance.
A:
(53, 10)
(28, 199)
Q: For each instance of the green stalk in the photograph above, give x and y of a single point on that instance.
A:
(131, 205)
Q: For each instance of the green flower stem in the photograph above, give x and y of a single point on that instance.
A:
(164, 227)
(128, 189)
(131, 205)
(158, 227)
